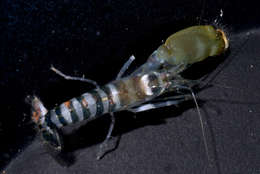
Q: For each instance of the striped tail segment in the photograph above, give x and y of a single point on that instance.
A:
(114, 96)
(88, 106)
(49, 133)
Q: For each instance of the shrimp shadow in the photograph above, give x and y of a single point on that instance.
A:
(94, 132)
(206, 68)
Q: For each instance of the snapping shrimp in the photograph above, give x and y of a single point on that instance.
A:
(137, 92)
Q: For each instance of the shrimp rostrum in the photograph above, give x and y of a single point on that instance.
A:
(139, 91)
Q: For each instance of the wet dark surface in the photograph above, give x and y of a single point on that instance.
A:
(95, 39)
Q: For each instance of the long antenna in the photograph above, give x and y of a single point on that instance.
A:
(200, 117)
(201, 123)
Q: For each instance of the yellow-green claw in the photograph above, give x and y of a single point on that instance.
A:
(192, 45)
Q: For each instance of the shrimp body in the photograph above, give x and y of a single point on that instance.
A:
(115, 96)
(158, 75)
(118, 95)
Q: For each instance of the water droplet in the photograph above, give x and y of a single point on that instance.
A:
(221, 13)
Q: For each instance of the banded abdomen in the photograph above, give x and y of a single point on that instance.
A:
(115, 96)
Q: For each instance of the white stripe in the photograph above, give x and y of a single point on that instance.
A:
(78, 109)
(65, 113)
(145, 84)
(143, 108)
(104, 99)
(115, 97)
(55, 119)
(42, 108)
(91, 104)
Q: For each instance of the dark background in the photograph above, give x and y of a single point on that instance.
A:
(95, 38)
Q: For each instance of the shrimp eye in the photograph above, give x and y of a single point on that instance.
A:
(154, 83)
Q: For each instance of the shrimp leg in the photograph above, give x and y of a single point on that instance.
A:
(149, 106)
(104, 144)
(125, 67)
(74, 78)
(67, 77)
